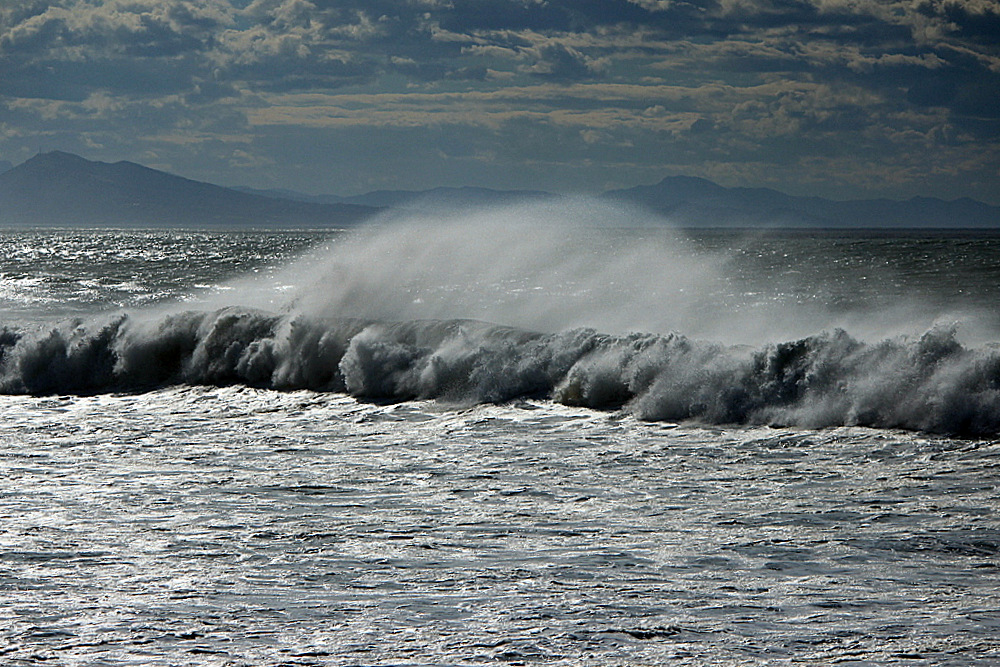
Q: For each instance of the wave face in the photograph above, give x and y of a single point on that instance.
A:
(932, 383)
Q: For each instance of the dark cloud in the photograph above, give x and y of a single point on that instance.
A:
(155, 29)
(209, 91)
(978, 21)
(807, 91)
(505, 15)
(552, 15)
(561, 63)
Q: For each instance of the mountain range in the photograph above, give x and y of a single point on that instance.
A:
(65, 190)
(699, 202)
(62, 189)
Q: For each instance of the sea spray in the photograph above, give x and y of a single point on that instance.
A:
(537, 267)
(585, 263)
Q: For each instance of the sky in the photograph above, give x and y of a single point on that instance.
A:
(837, 98)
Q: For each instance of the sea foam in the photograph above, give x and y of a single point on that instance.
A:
(931, 383)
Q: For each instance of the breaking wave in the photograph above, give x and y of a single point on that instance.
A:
(931, 383)
(402, 309)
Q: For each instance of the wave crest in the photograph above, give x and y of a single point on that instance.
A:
(931, 383)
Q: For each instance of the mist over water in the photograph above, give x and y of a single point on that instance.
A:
(537, 267)
(586, 263)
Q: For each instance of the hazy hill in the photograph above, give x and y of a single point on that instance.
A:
(420, 200)
(61, 189)
(698, 202)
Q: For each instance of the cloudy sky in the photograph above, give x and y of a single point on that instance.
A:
(841, 98)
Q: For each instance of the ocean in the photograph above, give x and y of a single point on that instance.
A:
(549, 434)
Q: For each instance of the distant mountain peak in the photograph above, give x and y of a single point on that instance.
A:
(690, 180)
(58, 155)
(55, 159)
(63, 189)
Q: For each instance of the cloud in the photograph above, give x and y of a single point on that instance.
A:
(598, 106)
(624, 87)
(117, 27)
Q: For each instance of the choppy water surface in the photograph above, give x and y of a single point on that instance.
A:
(237, 526)
(228, 523)
(53, 274)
